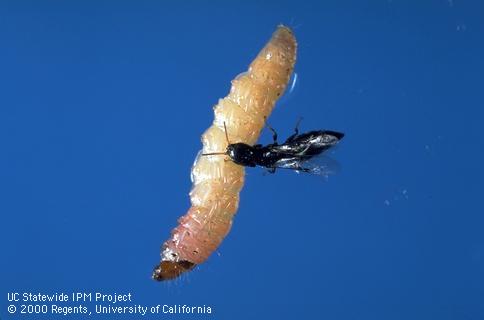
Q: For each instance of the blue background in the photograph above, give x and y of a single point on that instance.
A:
(102, 105)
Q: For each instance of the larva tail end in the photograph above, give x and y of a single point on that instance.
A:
(168, 270)
(282, 26)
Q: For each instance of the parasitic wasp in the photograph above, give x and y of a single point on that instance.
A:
(295, 153)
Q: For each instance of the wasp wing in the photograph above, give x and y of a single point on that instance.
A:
(308, 144)
(304, 152)
(322, 165)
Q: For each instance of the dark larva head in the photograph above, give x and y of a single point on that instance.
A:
(168, 270)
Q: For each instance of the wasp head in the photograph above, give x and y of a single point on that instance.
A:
(241, 153)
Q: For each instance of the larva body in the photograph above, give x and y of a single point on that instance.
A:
(216, 181)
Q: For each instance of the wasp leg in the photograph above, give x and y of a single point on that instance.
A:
(274, 133)
(296, 131)
(271, 170)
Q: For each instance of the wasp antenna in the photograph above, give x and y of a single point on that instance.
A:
(214, 154)
(226, 134)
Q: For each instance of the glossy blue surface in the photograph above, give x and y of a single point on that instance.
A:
(102, 105)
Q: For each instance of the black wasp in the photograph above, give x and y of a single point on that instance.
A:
(293, 154)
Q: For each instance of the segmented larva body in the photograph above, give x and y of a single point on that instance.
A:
(216, 181)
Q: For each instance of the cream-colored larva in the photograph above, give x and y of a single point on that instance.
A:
(217, 182)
